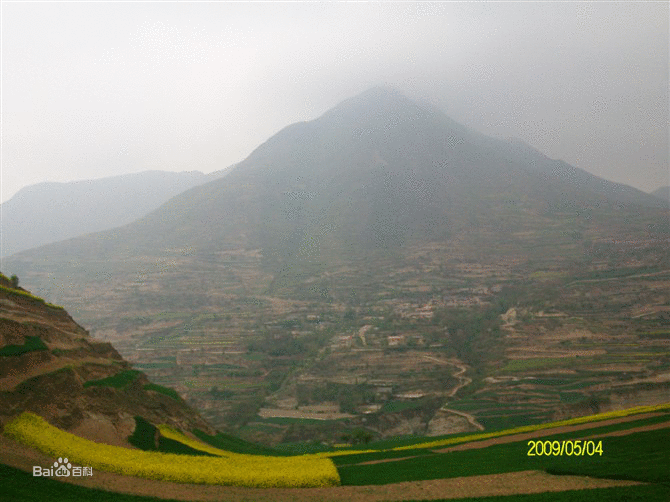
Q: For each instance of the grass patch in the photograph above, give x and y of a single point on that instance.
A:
(357, 458)
(293, 420)
(302, 448)
(166, 391)
(30, 296)
(572, 397)
(144, 435)
(641, 456)
(391, 406)
(234, 444)
(537, 362)
(168, 445)
(154, 366)
(144, 438)
(19, 485)
(510, 419)
(395, 442)
(118, 381)
(31, 344)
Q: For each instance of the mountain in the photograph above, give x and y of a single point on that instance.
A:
(382, 215)
(50, 212)
(370, 180)
(51, 366)
(376, 171)
(663, 193)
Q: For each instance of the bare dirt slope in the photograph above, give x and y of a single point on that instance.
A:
(50, 378)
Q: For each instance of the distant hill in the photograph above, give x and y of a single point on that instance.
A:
(663, 193)
(378, 173)
(50, 212)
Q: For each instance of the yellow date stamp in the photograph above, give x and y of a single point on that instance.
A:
(577, 448)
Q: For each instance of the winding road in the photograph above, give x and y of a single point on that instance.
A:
(462, 382)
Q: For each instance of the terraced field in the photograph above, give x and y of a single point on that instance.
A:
(576, 341)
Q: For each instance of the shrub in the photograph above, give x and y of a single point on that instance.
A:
(118, 381)
(144, 435)
(163, 390)
(32, 344)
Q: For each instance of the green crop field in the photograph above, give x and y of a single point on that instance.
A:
(640, 456)
(234, 444)
(31, 344)
(117, 381)
(163, 390)
(21, 486)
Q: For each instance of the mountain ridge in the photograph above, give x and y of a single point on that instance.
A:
(662, 192)
(394, 171)
(49, 212)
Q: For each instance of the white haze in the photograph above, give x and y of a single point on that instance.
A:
(99, 89)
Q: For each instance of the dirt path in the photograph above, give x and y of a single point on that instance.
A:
(361, 334)
(471, 419)
(463, 381)
(16, 455)
(626, 432)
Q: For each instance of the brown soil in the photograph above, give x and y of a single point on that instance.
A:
(626, 432)
(11, 381)
(23, 458)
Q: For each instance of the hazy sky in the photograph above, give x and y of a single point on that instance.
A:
(98, 89)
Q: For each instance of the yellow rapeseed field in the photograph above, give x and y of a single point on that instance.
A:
(232, 469)
(170, 433)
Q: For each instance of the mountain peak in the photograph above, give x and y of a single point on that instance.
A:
(376, 101)
(383, 92)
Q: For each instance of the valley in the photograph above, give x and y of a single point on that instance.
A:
(382, 271)
(375, 359)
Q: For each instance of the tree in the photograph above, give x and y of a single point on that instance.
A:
(361, 436)
(15, 281)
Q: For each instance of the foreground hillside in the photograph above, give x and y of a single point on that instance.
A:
(51, 366)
